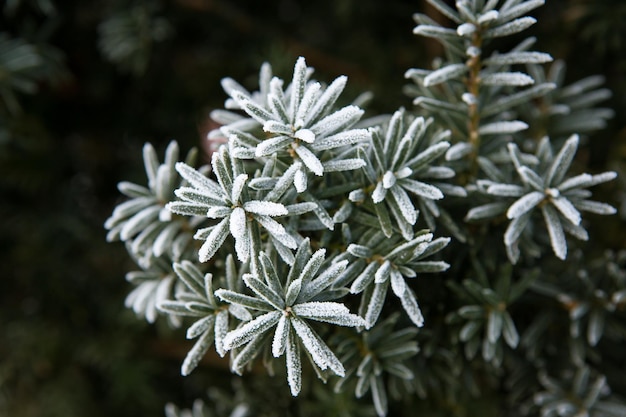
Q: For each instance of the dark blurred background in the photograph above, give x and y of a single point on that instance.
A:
(95, 80)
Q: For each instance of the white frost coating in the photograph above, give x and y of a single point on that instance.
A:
(382, 273)
(379, 193)
(280, 336)
(238, 185)
(273, 126)
(329, 312)
(567, 209)
(293, 291)
(501, 128)
(444, 74)
(321, 354)
(221, 329)
(518, 57)
(389, 179)
(375, 305)
(582, 180)
(272, 145)
(311, 95)
(218, 212)
(473, 51)
(265, 208)
(525, 204)
(327, 99)
(488, 17)
(562, 161)
(251, 329)
(239, 312)
(344, 165)
(344, 138)
(310, 160)
(469, 99)
(433, 31)
(200, 326)
(397, 284)
(277, 230)
(510, 28)
(242, 246)
(515, 229)
(313, 265)
(406, 206)
(421, 189)
(555, 230)
(409, 303)
(305, 135)
(403, 172)
(195, 354)
(300, 180)
(298, 83)
(506, 190)
(596, 207)
(466, 29)
(214, 240)
(364, 279)
(531, 178)
(334, 122)
(517, 79)
(357, 196)
(458, 151)
(294, 365)
(238, 222)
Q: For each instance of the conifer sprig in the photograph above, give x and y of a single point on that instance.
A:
(287, 303)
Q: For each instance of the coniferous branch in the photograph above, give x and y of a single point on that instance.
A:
(155, 283)
(379, 353)
(577, 394)
(288, 302)
(142, 220)
(485, 309)
(229, 199)
(198, 301)
(299, 121)
(321, 204)
(470, 92)
(382, 262)
(568, 109)
(398, 160)
(545, 188)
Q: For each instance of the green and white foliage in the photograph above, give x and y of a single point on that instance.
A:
(583, 393)
(142, 221)
(198, 301)
(543, 187)
(475, 90)
(299, 122)
(378, 355)
(288, 301)
(155, 283)
(592, 295)
(381, 262)
(568, 109)
(307, 213)
(486, 310)
(229, 199)
(400, 160)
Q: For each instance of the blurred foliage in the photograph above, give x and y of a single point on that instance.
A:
(81, 90)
